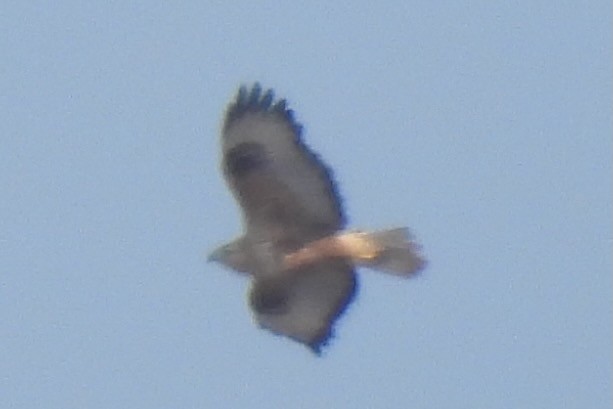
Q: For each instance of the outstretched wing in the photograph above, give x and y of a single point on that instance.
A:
(286, 193)
(303, 304)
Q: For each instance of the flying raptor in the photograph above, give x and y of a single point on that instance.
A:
(294, 246)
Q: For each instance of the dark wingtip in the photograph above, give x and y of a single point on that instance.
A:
(255, 99)
(316, 350)
(254, 95)
(280, 106)
(266, 101)
(320, 345)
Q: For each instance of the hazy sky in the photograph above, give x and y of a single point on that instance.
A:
(484, 126)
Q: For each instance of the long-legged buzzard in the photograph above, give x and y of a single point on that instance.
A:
(301, 260)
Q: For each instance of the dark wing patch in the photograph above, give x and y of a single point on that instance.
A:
(305, 303)
(244, 158)
(269, 297)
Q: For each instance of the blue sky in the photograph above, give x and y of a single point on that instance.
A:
(484, 126)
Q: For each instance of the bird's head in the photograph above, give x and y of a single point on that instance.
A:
(231, 255)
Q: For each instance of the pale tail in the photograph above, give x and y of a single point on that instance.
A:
(399, 254)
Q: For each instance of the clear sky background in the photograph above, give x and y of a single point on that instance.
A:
(484, 126)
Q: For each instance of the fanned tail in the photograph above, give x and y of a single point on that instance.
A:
(398, 254)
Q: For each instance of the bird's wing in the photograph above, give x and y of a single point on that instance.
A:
(285, 191)
(303, 304)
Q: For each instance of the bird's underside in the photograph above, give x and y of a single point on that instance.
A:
(295, 247)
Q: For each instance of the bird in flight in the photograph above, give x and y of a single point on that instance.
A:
(295, 246)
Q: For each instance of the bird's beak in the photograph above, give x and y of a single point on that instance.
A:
(214, 256)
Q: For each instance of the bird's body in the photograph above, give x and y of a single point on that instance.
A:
(294, 247)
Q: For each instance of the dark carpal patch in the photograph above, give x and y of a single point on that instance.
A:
(268, 297)
(245, 158)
